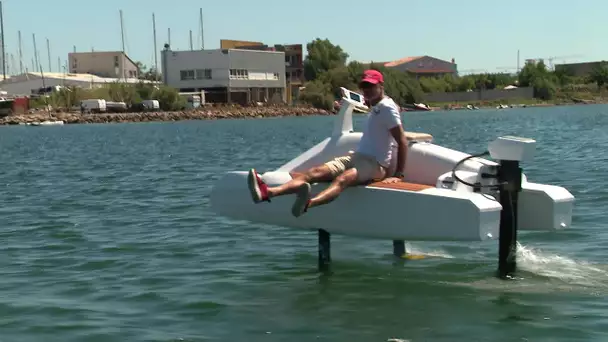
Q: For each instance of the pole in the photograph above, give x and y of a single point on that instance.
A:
(3, 45)
(122, 32)
(37, 64)
(155, 48)
(510, 176)
(48, 51)
(324, 249)
(20, 53)
(169, 36)
(202, 30)
(191, 47)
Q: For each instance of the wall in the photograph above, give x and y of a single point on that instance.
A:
(173, 62)
(103, 64)
(484, 95)
(258, 62)
(220, 63)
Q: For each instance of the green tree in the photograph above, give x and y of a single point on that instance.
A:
(322, 56)
(599, 74)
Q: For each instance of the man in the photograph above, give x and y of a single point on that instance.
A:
(371, 161)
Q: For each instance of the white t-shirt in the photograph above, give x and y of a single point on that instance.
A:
(377, 140)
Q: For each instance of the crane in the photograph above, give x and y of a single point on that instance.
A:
(472, 71)
(510, 70)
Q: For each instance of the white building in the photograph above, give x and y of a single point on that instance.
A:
(25, 83)
(227, 75)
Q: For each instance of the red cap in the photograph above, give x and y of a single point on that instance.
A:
(372, 76)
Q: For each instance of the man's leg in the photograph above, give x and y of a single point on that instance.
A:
(346, 179)
(316, 174)
(363, 170)
(324, 173)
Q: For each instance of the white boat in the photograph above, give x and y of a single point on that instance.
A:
(48, 123)
(433, 203)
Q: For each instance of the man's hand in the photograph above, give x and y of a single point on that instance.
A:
(391, 180)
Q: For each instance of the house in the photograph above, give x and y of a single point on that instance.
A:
(294, 62)
(112, 64)
(424, 66)
(227, 75)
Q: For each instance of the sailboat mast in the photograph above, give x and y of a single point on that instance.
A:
(122, 32)
(155, 51)
(48, 51)
(37, 64)
(202, 30)
(2, 37)
(20, 53)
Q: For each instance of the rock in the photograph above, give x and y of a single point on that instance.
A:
(216, 112)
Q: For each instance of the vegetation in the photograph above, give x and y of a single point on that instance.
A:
(326, 70)
(145, 73)
(131, 94)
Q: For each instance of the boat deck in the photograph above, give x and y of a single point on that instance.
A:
(401, 186)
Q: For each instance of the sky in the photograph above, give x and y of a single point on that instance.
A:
(479, 35)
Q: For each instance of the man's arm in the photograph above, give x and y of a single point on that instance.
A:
(392, 122)
(402, 146)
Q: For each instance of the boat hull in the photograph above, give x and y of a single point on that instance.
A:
(368, 211)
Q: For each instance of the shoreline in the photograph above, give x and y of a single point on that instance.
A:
(212, 113)
(216, 113)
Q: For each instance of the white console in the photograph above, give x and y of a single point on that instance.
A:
(512, 148)
(355, 98)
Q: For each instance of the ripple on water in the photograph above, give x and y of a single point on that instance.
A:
(107, 235)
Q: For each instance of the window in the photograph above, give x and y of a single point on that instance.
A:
(203, 74)
(239, 74)
(116, 62)
(276, 75)
(74, 63)
(186, 75)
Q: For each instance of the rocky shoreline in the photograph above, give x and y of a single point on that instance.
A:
(212, 113)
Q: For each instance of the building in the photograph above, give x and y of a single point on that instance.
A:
(294, 62)
(227, 75)
(112, 64)
(424, 66)
(578, 69)
(31, 82)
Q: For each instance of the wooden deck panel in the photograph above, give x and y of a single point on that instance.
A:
(401, 186)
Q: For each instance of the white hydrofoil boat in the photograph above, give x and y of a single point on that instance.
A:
(446, 195)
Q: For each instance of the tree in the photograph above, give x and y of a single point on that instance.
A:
(599, 74)
(326, 71)
(322, 56)
(150, 74)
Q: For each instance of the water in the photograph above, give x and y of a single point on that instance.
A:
(107, 236)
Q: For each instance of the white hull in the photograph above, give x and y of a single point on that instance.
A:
(47, 123)
(433, 207)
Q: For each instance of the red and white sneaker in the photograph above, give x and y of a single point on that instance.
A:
(257, 187)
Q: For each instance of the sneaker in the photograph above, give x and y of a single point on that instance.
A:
(300, 206)
(257, 187)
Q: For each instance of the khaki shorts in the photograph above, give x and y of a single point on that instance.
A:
(368, 168)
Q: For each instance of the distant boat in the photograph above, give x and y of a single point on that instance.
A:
(47, 123)
(416, 107)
